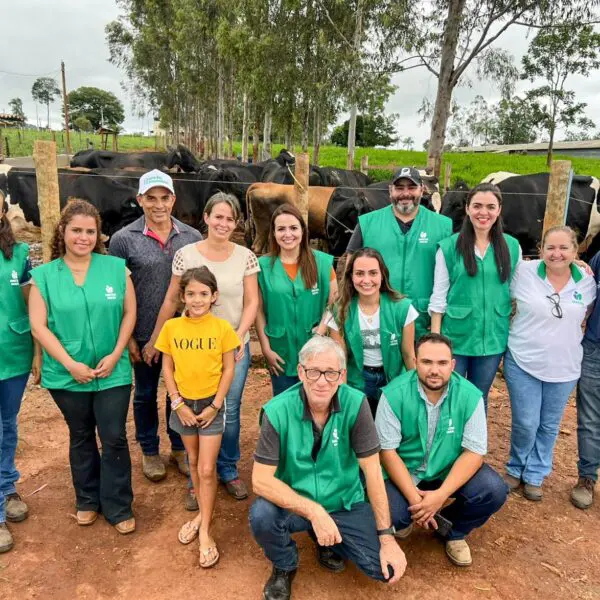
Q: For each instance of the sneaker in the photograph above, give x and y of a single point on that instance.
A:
(279, 585)
(178, 458)
(402, 534)
(459, 553)
(237, 489)
(191, 502)
(582, 495)
(533, 492)
(329, 559)
(153, 467)
(513, 483)
(16, 509)
(6, 539)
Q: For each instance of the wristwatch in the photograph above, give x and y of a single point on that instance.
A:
(388, 531)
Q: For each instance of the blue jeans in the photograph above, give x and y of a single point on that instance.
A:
(11, 394)
(145, 408)
(537, 409)
(588, 412)
(281, 383)
(273, 526)
(479, 370)
(374, 381)
(475, 502)
(229, 455)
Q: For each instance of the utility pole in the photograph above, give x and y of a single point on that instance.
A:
(66, 106)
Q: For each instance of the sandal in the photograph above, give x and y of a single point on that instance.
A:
(188, 532)
(206, 553)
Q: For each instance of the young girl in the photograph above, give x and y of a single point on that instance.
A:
(377, 322)
(198, 367)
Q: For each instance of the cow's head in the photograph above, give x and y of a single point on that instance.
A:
(453, 204)
(182, 157)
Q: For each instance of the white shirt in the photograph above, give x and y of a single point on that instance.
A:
(441, 280)
(370, 333)
(543, 345)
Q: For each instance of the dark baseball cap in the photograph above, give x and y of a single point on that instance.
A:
(407, 173)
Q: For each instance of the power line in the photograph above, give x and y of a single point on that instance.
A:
(28, 74)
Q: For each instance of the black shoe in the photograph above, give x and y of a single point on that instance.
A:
(329, 559)
(279, 586)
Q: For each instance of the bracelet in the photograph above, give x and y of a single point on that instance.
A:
(214, 407)
(177, 403)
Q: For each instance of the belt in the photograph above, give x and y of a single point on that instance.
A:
(373, 369)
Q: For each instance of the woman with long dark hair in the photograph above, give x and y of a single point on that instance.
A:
(18, 360)
(375, 323)
(296, 284)
(471, 303)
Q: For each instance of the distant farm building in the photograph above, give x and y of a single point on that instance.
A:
(7, 120)
(585, 149)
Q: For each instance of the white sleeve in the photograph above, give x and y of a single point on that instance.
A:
(441, 284)
(411, 315)
(330, 321)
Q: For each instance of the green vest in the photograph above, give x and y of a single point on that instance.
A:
(409, 257)
(392, 316)
(478, 314)
(408, 406)
(291, 310)
(333, 479)
(16, 344)
(86, 320)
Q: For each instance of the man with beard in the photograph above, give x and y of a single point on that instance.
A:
(432, 429)
(407, 237)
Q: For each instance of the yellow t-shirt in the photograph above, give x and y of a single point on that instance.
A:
(197, 347)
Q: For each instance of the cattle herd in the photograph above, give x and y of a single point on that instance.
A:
(337, 197)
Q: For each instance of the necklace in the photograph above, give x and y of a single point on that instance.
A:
(368, 317)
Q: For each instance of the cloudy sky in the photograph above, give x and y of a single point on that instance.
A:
(38, 34)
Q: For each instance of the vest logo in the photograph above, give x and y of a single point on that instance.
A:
(315, 289)
(335, 437)
(423, 239)
(14, 278)
(450, 427)
(577, 297)
(393, 339)
(109, 292)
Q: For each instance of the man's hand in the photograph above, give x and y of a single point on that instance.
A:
(135, 356)
(423, 512)
(391, 555)
(325, 528)
(150, 354)
(275, 362)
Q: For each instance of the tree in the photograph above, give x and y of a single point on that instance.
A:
(16, 108)
(513, 122)
(97, 106)
(554, 55)
(377, 130)
(408, 143)
(82, 124)
(44, 91)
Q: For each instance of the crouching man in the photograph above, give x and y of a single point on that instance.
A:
(315, 439)
(432, 428)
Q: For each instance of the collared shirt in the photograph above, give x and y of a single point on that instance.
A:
(543, 345)
(592, 326)
(150, 260)
(363, 435)
(389, 428)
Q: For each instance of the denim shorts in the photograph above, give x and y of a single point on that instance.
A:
(215, 428)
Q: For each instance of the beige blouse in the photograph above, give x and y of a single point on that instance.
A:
(229, 274)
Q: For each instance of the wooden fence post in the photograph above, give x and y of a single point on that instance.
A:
(447, 176)
(46, 174)
(301, 184)
(557, 202)
(364, 164)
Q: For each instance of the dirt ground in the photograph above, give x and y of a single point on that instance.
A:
(548, 550)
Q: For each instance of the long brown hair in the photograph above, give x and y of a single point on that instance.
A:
(75, 207)
(7, 237)
(348, 291)
(306, 258)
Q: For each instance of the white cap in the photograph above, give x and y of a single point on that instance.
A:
(155, 178)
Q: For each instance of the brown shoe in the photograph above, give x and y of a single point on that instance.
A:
(237, 489)
(402, 534)
(125, 527)
(582, 495)
(6, 539)
(86, 517)
(191, 502)
(16, 509)
(513, 483)
(533, 492)
(153, 467)
(459, 553)
(177, 457)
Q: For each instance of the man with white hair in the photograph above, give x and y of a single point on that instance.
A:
(315, 439)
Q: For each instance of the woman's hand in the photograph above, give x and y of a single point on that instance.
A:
(275, 362)
(106, 365)
(80, 372)
(186, 416)
(207, 416)
(36, 367)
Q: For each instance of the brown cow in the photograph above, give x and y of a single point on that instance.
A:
(263, 198)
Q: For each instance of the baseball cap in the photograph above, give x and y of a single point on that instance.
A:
(408, 173)
(155, 178)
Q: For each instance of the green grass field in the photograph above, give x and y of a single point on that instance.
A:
(471, 168)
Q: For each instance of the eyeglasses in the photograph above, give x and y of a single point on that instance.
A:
(556, 309)
(314, 375)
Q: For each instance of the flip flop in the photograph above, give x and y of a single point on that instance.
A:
(205, 553)
(188, 532)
